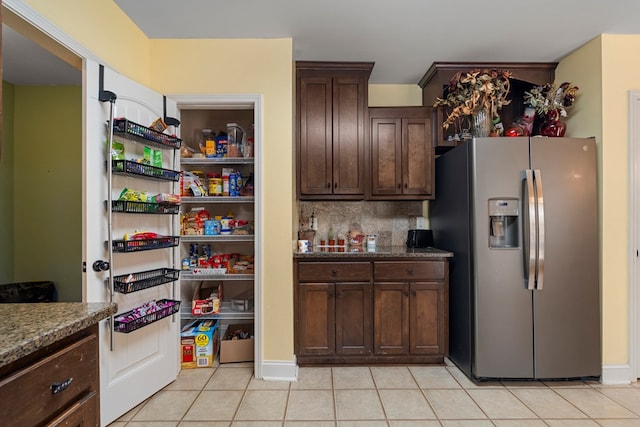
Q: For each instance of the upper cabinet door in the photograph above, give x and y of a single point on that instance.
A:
(417, 157)
(315, 133)
(402, 154)
(386, 156)
(331, 109)
(349, 138)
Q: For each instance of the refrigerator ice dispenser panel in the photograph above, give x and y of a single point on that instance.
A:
(503, 223)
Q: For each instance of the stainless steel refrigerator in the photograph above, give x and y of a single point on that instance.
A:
(521, 217)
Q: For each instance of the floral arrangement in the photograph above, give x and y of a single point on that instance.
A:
(473, 91)
(547, 98)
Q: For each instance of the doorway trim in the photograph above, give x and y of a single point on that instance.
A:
(634, 228)
(254, 101)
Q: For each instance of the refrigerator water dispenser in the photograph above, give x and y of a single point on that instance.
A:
(503, 223)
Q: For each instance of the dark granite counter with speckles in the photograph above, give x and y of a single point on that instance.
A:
(25, 328)
(380, 252)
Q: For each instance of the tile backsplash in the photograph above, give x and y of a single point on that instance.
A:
(388, 220)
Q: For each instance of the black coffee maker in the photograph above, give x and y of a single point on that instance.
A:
(419, 238)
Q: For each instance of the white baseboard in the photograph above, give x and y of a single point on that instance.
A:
(279, 370)
(617, 374)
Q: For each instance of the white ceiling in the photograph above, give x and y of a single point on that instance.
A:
(402, 37)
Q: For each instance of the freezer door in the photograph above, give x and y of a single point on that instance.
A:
(503, 306)
(567, 309)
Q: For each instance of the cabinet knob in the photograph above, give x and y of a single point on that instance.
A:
(405, 293)
(410, 271)
(399, 186)
(328, 185)
(406, 185)
(334, 272)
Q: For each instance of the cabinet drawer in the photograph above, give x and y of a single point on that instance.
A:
(37, 392)
(408, 270)
(334, 272)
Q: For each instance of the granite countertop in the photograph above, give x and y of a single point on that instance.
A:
(28, 327)
(339, 252)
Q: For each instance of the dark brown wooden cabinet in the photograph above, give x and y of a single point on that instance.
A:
(57, 385)
(371, 311)
(525, 75)
(333, 310)
(402, 153)
(411, 308)
(391, 318)
(331, 109)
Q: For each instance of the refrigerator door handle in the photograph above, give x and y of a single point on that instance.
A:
(540, 214)
(530, 257)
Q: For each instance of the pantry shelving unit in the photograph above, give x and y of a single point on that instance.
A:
(162, 303)
(244, 242)
(198, 112)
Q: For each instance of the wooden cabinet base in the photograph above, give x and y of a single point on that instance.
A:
(56, 385)
(370, 360)
(371, 312)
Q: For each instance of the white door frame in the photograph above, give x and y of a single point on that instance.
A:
(634, 231)
(253, 101)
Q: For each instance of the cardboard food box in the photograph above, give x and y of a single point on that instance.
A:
(206, 300)
(199, 342)
(237, 350)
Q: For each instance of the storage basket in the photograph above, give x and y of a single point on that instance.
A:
(144, 134)
(145, 244)
(134, 282)
(134, 319)
(144, 207)
(143, 169)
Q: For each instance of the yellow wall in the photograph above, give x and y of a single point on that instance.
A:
(394, 95)
(619, 76)
(48, 187)
(101, 27)
(605, 71)
(263, 67)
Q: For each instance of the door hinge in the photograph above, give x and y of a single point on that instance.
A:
(84, 266)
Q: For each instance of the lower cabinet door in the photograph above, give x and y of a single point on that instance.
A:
(391, 318)
(426, 314)
(316, 319)
(353, 318)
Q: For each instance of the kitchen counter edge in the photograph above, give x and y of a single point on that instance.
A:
(28, 327)
(377, 253)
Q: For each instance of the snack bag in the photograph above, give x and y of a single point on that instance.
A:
(156, 158)
(117, 150)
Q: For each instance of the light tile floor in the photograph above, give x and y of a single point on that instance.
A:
(421, 396)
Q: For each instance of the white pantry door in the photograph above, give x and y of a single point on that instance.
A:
(145, 360)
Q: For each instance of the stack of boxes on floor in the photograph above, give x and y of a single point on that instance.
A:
(200, 341)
